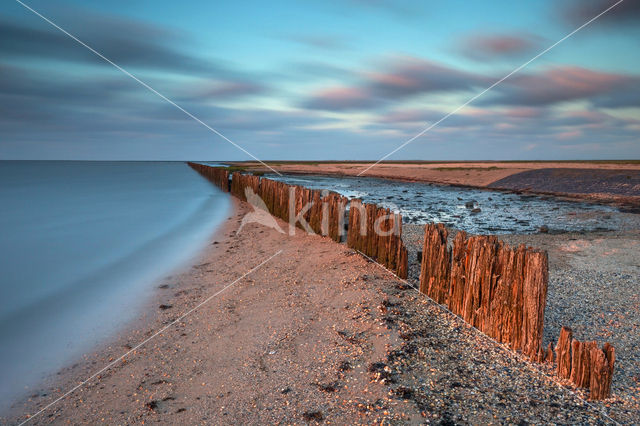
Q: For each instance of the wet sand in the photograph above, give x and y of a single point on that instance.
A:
(316, 334)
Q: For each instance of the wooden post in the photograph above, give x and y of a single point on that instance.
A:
(602, 367)
(435, 268)
(535, 285)
(549, 355)
(563, 353)
(581, 362)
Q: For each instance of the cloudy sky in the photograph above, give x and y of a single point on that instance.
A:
(343, 79)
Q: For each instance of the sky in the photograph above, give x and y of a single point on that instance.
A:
(330, 80)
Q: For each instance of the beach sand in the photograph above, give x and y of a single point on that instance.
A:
(317, 334)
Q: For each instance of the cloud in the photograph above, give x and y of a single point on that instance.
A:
(587, 118)
(557, 85)
(406, 77)
(525, 112)
(529, 125)
(580, 11)
(411, 116)
(340, 99)
(464, 119)
(58, 105)
(125, 42)
(305, 70)
(230, 89)
(59, 91)
(483, 47)
(411, 76)
(628, 96)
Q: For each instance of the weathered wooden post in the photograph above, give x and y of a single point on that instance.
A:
(563, 353)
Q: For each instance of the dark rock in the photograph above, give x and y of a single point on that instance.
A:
(151, 405)
(376, 367)
(470, 204)
(476, 210)
(328, 387)
(345, 366)
(313, 415)
(164, 307)
(544, 229)
(404, 392)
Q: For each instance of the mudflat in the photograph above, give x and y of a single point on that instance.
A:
(605, 181)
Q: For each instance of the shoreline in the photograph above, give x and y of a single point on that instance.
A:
(120, 340)
(326, 338)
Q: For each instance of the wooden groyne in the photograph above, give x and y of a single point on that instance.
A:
(275, 195)
(497, 289)
(320, 212)
(241, 183)
(502, 291)
(323, 211)
(377, 232)
(585, 364)
(219, 176)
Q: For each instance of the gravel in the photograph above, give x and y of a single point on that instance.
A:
(593, 288)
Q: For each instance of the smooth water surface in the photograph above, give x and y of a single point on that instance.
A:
(82, 244)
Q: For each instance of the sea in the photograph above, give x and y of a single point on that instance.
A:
(82, 246)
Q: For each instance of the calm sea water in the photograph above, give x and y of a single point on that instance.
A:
(81, 246)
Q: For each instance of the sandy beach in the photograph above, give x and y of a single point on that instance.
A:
(317, 334)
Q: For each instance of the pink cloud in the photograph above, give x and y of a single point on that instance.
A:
(558, 85)
(572, 134)
(524, 112)
(410, 75)
(490, 46)
(340, 98)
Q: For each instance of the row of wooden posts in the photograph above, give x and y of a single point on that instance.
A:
(373, 230)
(217, 175)
(584, 363)
(502, 291)
(377, 232)
(498, 289)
